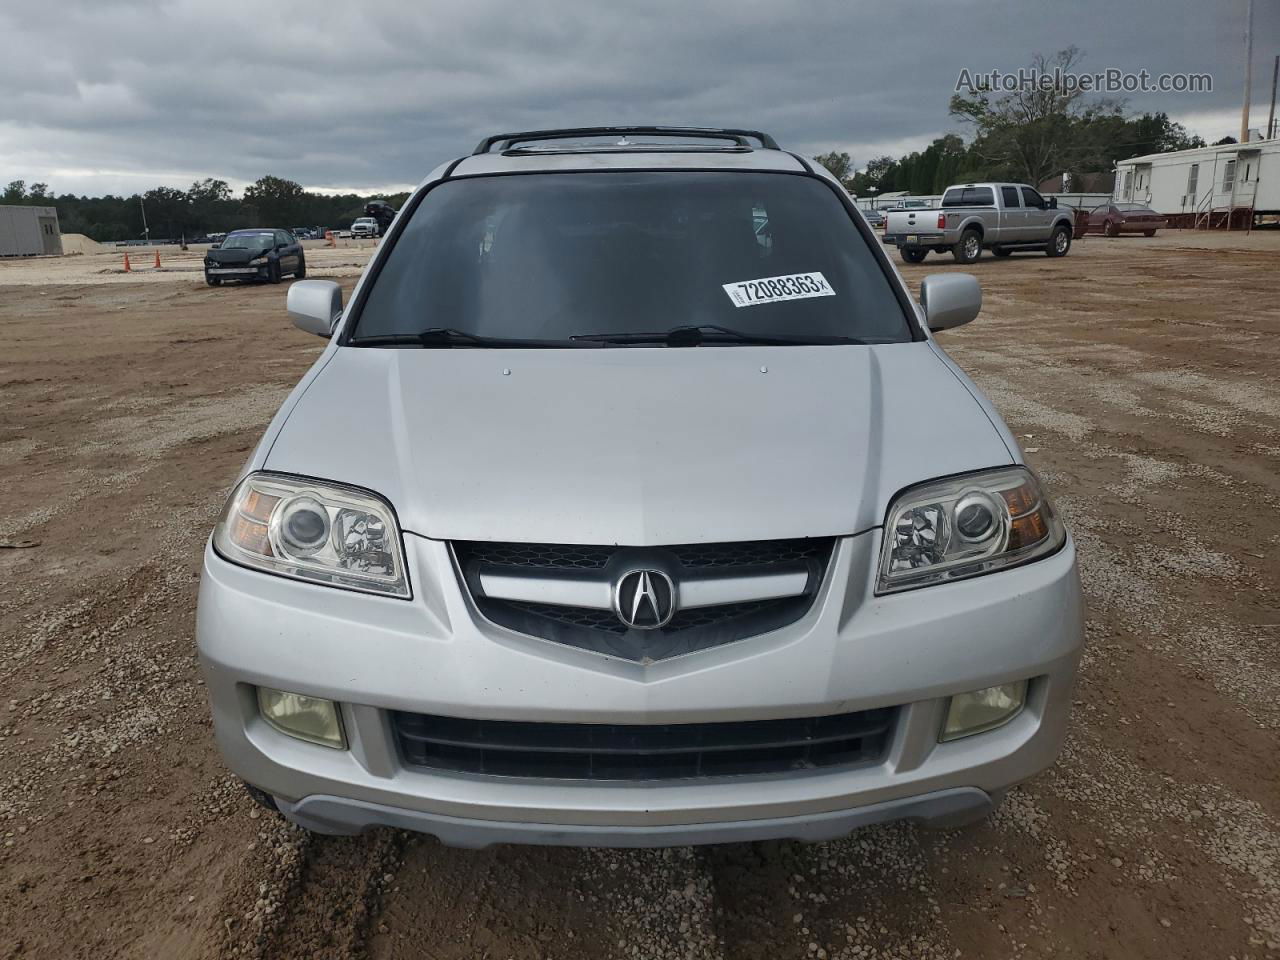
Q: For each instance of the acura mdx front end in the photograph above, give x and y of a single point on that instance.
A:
(633, 503)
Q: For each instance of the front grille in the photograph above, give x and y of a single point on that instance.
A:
(609, 751)
(691, 556)
(689, 630)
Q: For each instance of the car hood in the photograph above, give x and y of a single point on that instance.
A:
(234, 255)
(637, 446)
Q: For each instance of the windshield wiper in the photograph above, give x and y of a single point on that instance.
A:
(693, 336)
(452, 337)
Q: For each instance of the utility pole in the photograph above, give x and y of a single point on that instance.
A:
(1248, 73)
(1271, 117)
(146, 231)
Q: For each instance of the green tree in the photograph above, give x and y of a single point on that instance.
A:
(168, 213)
(873, 176)
(15, 192)
(840, 164)
(1031, 134)
(211, 206)
(279, 202)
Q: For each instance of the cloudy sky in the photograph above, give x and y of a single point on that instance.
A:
(116, 96)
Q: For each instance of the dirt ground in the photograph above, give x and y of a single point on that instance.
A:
(1143, 377)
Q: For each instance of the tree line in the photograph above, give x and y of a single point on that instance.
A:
(1027, 136)
(209, 206)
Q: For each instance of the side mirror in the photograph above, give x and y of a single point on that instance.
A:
(949, 299)
(215, 246)
(1053, 203)
(315, 306)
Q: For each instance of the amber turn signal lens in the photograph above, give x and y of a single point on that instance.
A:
(250, 535)
(1027, 530)
(258, 506)
(1020, 499)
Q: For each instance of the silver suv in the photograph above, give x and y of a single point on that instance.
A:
(633, 503)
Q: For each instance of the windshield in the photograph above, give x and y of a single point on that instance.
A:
(1132, 207)
(249, 241)
(550, 256)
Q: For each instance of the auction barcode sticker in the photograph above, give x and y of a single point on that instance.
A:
(792, 286)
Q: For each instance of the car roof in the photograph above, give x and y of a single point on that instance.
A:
(992, 183)
(649, 159)
(627, 148)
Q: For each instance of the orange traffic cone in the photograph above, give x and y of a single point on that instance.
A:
(157, 259)
(127, 268)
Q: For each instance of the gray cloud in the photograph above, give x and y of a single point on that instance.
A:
(121, 95)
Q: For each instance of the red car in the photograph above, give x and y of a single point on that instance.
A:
(1113, 219)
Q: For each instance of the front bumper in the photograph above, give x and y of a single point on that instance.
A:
(436, 654)
(235, 271)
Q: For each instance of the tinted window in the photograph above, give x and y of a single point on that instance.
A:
(547, 256)
(1010, 196)
(1031, 199)
(968, 197)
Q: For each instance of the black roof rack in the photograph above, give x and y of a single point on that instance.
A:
(737, 137)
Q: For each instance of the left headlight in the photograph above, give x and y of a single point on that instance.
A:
(309, 530)
(258, 261)
(966, 526)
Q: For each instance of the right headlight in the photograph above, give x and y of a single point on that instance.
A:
(310, 530)
(965, 526)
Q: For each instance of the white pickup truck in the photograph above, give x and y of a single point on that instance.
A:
(1001, 217)
(364, 227)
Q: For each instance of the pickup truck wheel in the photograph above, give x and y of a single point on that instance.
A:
(1001, 251)
(1059, 241)
(969, 248)
(913, 254)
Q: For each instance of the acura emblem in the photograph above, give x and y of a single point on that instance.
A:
(644, 599)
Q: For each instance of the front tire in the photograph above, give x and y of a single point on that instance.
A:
(969, 249)
(912, 254)
(1111, 229)
(1059, 242)
(273, 272)
(1148, 233)
(213, 281)
(301, 272)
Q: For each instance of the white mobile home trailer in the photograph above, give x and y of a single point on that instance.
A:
(1208, 186)
(29, 232)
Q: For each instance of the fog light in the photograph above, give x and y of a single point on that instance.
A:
(307, 718)
(983, 710)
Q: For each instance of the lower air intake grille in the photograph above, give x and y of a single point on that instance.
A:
(605, 751)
